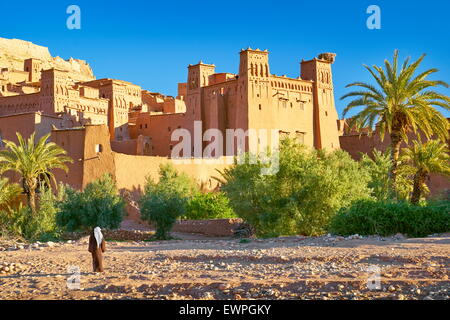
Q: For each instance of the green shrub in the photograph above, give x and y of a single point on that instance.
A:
(302, 197)
(211, 205)
(378, 167)
(99, 204)
(165, 201)
(20, 222)
(43, 226)
(369, 217)
(13, 221)
(9, 192)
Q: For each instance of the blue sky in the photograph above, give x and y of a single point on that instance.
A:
(150, 43)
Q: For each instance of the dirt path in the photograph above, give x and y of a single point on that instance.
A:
(283, 268)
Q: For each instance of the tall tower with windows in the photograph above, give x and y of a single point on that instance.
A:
(254, 64)
(325, 115)
(254, 93)
(198, 77)
(33, 67)
(54, 97)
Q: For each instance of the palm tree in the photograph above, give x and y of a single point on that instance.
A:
(426, 158)
(34, 162)
(400, 102)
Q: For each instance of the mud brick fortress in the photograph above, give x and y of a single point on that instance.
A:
(110, 125)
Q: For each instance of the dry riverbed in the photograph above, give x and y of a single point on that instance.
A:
(282, 268)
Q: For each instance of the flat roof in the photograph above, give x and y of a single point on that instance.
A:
(30, 112)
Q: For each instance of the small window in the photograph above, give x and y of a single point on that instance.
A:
(300, 137)
(259, 107)
(145, 126)
(98, 148)
(168, 129)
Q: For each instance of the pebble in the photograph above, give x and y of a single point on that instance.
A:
(224, 286)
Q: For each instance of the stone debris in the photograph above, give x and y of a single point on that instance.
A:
(9, 268)
(281, 268)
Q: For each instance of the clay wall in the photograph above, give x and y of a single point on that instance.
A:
(131, 171)
(19, 104)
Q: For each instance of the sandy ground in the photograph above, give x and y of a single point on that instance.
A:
(199, 268)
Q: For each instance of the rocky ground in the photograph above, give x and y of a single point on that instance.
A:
(196, 267)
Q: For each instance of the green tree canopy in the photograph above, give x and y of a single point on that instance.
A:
(165, 201)
(98, 205)
(309, 188)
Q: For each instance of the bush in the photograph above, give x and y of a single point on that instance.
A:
(369, 217)
(378, 167)
(9, 193)
(43, 226)
(20, 222)
(165, 201)
(211, 205)
(12, 221)
(98, 205)
(302, 197)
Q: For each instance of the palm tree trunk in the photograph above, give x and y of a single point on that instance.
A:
(31, 199)
(30, 189)
(419, 180)
(396, 141)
